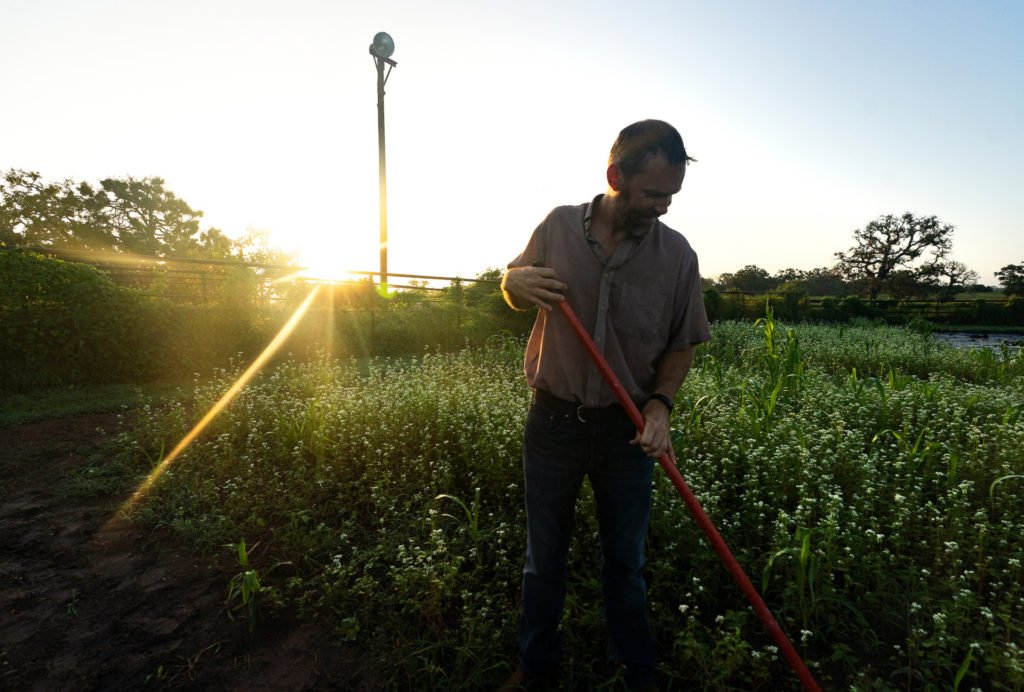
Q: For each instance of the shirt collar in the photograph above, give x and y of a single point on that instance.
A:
(588, 214)
(588, 217)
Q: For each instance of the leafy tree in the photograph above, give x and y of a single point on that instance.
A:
(749, 279)
(149, 219)
(790, 275)
(825, 281)
(35, 212)
(1011, 278)
(134, 215)
(956, 275)
(904, 283)
(890, 244)
(821, 281)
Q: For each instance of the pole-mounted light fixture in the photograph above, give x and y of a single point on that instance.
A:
(383, 45)
(381, 49)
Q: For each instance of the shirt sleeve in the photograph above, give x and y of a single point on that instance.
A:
(536, 248)
(690, 323)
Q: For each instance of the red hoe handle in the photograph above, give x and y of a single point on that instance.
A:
(668, 464)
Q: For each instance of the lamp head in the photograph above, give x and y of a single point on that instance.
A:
(383, 45)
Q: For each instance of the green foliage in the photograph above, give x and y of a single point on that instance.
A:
(713, 304)
(61, 323)
(65, 323)
(749, 279)
(1011, 278)
(121, 214)
(245, 590)
(867, 475)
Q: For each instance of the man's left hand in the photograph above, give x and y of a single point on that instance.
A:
(656, 438)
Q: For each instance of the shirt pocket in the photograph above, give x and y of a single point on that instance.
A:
(638, 312)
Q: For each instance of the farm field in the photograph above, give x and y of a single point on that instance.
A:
(867, 478)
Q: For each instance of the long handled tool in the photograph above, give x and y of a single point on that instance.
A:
(668, 464)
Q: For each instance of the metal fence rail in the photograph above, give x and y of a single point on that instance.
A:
(203, 281)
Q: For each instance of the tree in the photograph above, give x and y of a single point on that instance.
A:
(825, 281)
(147, 218)
(129, 214)
(788, 276)
(213, 244)
(750, 279)
(1011, 278)
(35, 212)
(957, 276)
(891, 244)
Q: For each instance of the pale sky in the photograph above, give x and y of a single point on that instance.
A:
(809, 119)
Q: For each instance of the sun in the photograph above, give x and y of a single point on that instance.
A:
(325, 270)
(328, 260)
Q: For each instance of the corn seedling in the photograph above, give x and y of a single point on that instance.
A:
(244, 587)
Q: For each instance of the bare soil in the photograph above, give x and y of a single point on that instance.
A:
(87, 603)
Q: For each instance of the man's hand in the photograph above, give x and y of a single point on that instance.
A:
(525, 287)
(656, 438)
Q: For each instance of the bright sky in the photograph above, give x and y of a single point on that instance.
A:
(809, 119)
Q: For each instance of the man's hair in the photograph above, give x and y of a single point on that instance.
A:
(641, 141)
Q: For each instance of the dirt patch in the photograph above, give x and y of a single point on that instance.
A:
(92, 604)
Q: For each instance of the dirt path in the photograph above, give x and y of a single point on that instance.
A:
(91, 605)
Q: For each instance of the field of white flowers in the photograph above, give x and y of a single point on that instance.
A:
(869, 480)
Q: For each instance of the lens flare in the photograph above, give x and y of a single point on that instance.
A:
(224, 400)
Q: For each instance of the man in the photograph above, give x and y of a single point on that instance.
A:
(634, 282)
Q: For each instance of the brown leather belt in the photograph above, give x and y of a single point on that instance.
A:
(577, 411)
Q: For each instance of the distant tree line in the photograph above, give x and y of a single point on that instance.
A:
(904, 256)
(900, 256)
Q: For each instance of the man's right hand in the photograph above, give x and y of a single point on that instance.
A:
(525, 287)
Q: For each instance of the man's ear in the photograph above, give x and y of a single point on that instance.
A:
(616, 180)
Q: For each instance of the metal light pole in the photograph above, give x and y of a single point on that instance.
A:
(381, 49)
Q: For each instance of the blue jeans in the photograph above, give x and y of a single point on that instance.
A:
(558, 451)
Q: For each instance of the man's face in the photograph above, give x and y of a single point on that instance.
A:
(647, 194)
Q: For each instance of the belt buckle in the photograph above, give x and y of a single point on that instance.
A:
(579, 414)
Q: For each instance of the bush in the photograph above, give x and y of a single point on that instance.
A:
(62, 322)
(713, 304)
(65, 323)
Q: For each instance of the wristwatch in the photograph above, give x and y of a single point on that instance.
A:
(663, 399)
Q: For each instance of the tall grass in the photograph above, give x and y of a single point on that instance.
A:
(868, 478)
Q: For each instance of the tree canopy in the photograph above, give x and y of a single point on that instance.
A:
(120, 214)
(1011, 278)
(894, 249)
(749, 279)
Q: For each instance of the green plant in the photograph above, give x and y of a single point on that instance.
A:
(875, 505)
(244, 589)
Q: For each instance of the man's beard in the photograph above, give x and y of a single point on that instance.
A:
(635, 222)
